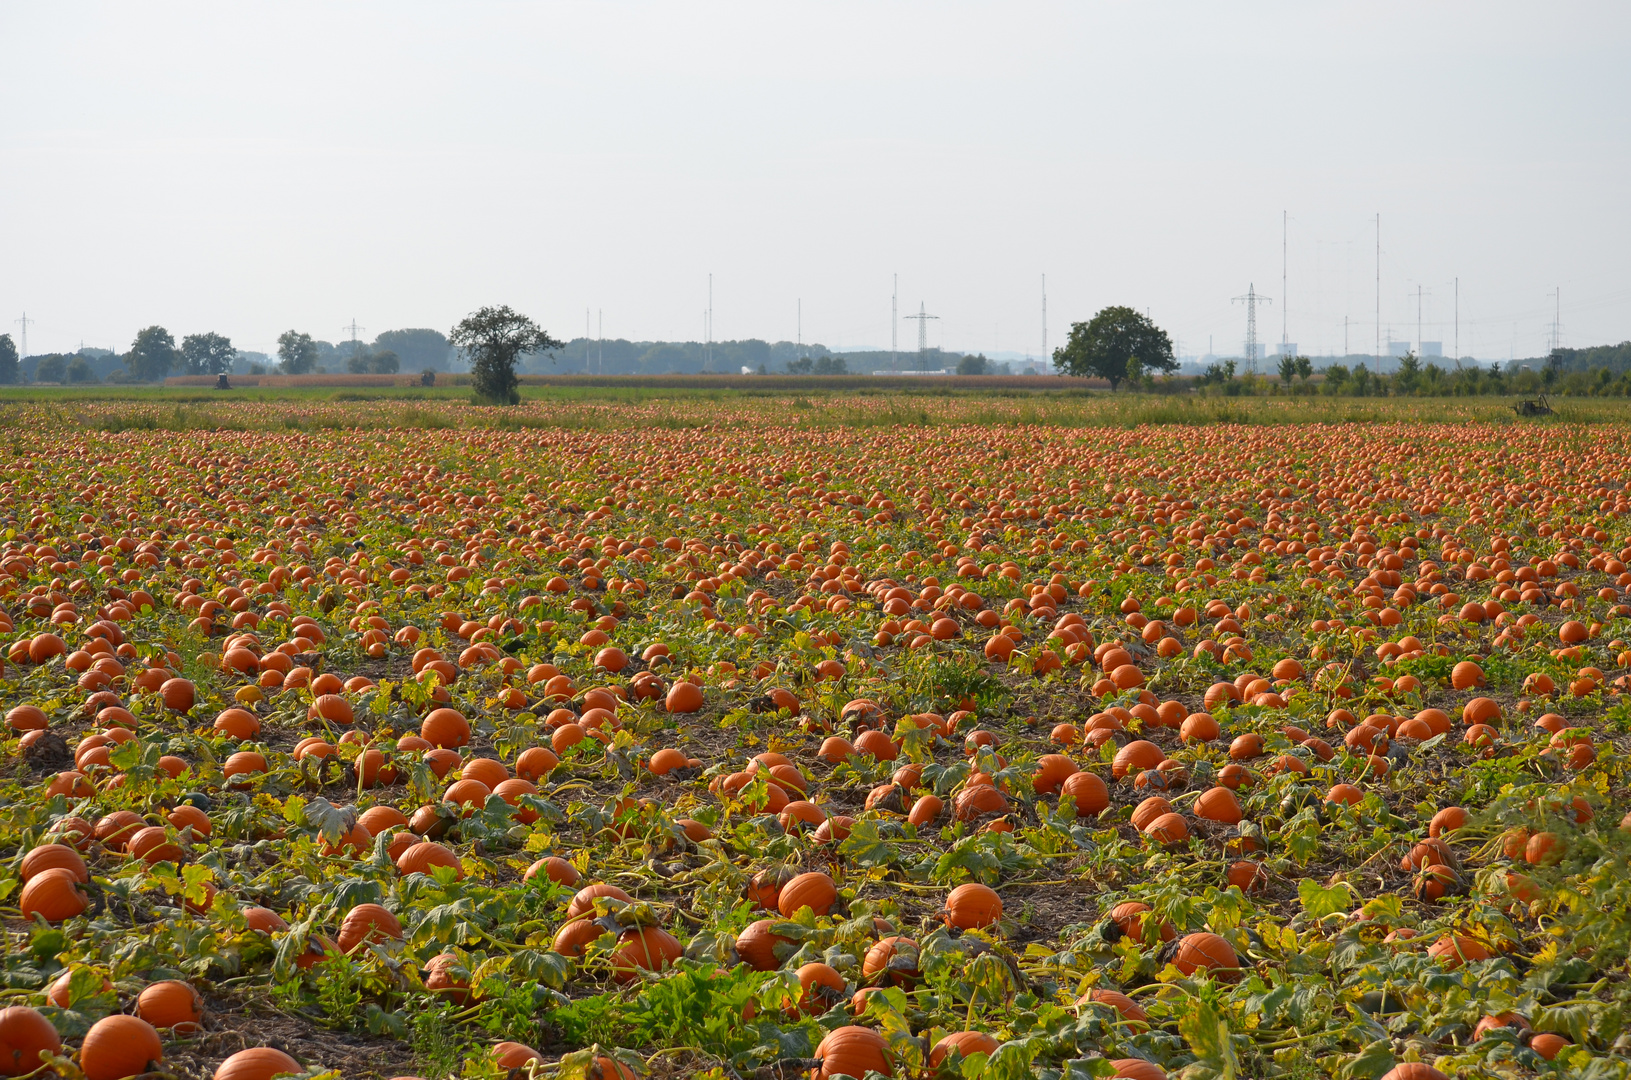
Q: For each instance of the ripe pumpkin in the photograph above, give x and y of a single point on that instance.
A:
(118, 1047)
(25, 1034)
(1548, 1045)
(1135, 757)
(756, 945)
(555, 869)
(1205, 951)
(1090, 793)
(256, 1063)
(576, 935)
(814, 890)
(47, 856)
(27, 718)
(977, 801)
(893, 958)
(964, 1043)
(365, 923)
(1219, 804)
(852, 1051)
(1130, 1010)
(684, 697)
(1146, 812)
(264, 920)
(646, 948)
(821, 988)
(972, 906)
(445, 728)
(584, 901)
(514, 1055)
(419, 858)
(54, 895)
(1452, 950)
(443, 975)
(1413, 1070)
(171, 1004)
(1130, 918)
(1137, 1069)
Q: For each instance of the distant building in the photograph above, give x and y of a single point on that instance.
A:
(1286, 348)
(1397, 349)
(1432, 348)
(937, 371)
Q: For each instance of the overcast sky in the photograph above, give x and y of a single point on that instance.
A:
(254, 168)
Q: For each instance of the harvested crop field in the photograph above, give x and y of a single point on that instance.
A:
(773, 737)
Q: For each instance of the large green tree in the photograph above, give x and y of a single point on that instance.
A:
(1118, 344)
(9, 369)
(373, 362)
(495, 338)
(415, 348)
(152, 355)
(207, 354)
(297, 351)
(52, 368)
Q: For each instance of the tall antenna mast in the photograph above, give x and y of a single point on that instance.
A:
(922, 336)
(1251, 300)
(25, 320)
(1344, 337)
(587, 337)
(1044, 318)
(1458, 323)
(1284, 339)
(1378, 295)
(894, 324)
(600, 342)
(801, 328)
(710, 322)
(1418, 318)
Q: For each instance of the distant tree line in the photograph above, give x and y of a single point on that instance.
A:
(1413, 378)
(154, 355)
(619, 356)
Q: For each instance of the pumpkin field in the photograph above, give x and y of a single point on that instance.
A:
(754, 739)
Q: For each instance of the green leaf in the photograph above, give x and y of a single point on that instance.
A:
(1207, 1034)
(332, 822)
(1371, 1062)
(1319, 901)
(865, 846)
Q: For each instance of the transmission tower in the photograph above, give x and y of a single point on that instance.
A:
(24, 321)
(1251, 300)
(922, 336)
(1557, 318)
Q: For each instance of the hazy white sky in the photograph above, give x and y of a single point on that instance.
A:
(251, 168)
